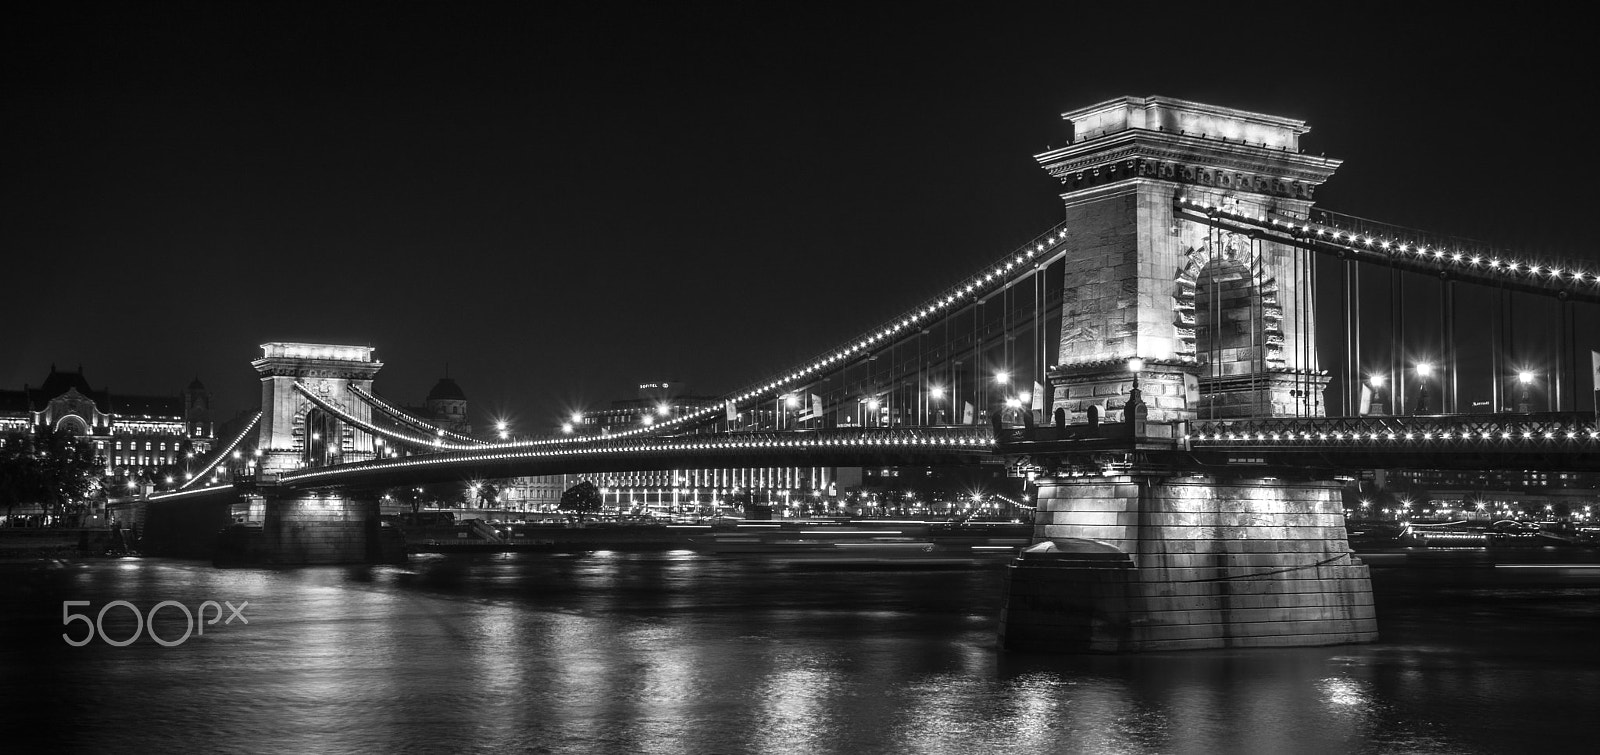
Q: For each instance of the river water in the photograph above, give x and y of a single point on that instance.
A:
(614, 652)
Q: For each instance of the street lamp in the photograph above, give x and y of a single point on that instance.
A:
(1524, 399)
(1135, 396)
(1424, 369)
(1375, 402)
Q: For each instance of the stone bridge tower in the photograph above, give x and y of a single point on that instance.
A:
(295, 432)
(1138, 546)
(1217, 318)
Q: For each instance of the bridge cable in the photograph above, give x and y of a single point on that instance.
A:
(404, 417)
(368, 427)
(223, 452)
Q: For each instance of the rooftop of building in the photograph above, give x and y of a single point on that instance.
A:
(446, 390)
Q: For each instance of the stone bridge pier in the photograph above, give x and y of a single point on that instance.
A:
(296, 528)
(1150, 562)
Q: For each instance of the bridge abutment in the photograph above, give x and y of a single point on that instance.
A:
(305, 529)
(1139, 563)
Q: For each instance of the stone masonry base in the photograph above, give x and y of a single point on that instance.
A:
(1135, 564)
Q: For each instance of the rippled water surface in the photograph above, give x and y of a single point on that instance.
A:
(685, 653)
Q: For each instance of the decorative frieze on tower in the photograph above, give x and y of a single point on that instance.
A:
(1217, 318)
(294, 431)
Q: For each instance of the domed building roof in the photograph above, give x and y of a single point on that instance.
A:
(196, 385)
(446, 390)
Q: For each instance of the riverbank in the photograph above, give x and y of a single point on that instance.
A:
(56, 542)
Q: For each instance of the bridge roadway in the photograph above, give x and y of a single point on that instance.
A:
(1559, 441)
(922, 446)
(1551, 441)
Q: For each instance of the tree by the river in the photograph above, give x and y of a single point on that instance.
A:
(582, 498)
(51, 468)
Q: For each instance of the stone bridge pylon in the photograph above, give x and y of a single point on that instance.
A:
(1138, 547)
(301, 527)
(1221, 320)
(294, 432)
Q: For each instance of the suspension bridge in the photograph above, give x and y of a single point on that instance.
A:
(1185, 367)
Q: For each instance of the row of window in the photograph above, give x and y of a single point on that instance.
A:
(134, 446)
(143, 461)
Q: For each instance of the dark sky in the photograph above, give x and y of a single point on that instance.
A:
(561, 206)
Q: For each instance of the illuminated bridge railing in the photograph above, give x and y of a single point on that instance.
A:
(1521, 433)
(738, 449)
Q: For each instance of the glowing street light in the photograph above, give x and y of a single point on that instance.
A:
(1524, 397)
(1424, 369)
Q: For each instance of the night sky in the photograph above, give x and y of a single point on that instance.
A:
(561, 206)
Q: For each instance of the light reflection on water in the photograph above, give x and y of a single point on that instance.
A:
(681, 653)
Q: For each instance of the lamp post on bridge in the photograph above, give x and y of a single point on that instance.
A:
(1375, 402)
(1424, 369)
(1524, 396)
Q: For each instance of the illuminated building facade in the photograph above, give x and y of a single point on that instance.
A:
(133, 436)
(1486, 494)
(785, 490)
(656, 402)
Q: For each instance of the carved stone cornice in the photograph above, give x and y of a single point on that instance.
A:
(1228, 166)
(315, 368)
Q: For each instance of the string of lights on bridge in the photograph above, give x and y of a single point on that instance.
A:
(1580, 435)
(224, 452)
(1396, 247)
(435, 443)
(401, 415)
(967, 440)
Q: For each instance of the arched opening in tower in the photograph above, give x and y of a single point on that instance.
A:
(1227, 320)
(322, 439)
(1230, 337)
